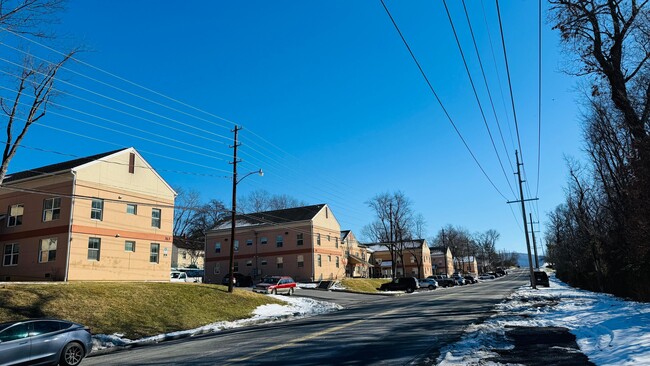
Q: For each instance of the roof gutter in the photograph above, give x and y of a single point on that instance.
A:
(67, 258)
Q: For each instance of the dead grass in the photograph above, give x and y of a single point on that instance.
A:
(133, 309)
(366, 285)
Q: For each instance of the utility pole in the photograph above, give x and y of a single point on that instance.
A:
(234, 210)
(532, 231)
(533, 283)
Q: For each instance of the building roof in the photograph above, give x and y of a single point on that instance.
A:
(411, 244)
(56, 168)
(294, 214)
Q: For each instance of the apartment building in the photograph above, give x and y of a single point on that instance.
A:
(301, 242)
(357, 256)
(412, 258)
(442, 260)
(106, 217)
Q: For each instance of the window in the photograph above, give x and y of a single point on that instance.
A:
(301, 261)
(279, 241)
(329, 259)
(155, 217)
(249, 263)
(96, 209)
(412, 259)
(329, 237)
(249, 242)
(263, 262)
(318, 238)
(18, 331)
(51, 209)
(10, 255)
(217, 247)
(217, 268)
(236, 245)
(154, 253)
(235, 266)
(336, 242)
(129, 246)
(47, 250)
(44, 327)
(16, 215)
(184, 254)
(327, 213)
(279, 262)
(320, 263)
(94, 245)
(337, 262)
(264, 240)
(299, 240)
(131, 208)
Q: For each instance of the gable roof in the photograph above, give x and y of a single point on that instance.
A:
(56, 168)
(284, 216)
(411, 244)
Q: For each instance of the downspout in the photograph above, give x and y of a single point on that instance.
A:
(313, 254)
(67, 258)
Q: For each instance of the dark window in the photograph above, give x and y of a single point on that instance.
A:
(217, 247)
(318, 238)
(131, 208)
(263, 240)
(96, 209)
(235, 266)
(129, 246)
(45, 326)
(249, 242)
(154, 253)
(279, 241)
(18, 331)
(155, 217)
(51, 209)
(10, 255)
(16, 215)
(132, 163)
(299, 239)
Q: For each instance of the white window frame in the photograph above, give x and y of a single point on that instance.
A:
(51, 252)
(156, 221)
(135, 208)
(94, 252)
(132, 250)
(54, 209)
(15, 218)
(11, 254)
(154, 255)
(95, 211)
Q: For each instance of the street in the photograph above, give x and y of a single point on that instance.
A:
(409, 329)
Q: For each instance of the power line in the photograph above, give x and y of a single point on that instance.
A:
(478, 101)
(539, 94)
(426, 79)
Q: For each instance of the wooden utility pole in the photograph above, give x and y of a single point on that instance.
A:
(533, 284)
(234, 162)
(532, 231)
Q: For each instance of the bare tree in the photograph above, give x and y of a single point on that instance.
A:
(35, 82)
(261, 200)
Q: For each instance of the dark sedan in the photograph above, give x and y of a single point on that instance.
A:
(44, 342)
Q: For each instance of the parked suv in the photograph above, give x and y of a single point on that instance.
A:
(275, 285)
(541, 278)
(241, 280)
(443, 280)
(408, 284)
(429, 283)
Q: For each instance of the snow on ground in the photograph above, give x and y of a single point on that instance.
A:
(296, 307)
(609, 330)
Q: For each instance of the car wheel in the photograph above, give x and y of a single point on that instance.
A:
(290, 291)
(275, 291)
(431, 287)
(409, 290)
(72, 354)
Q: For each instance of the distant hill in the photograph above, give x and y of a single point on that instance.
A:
(523, 259)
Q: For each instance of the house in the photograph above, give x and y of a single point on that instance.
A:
(442, 261)
(467, 265)
(106, 217)
(357, 256)
(187, 253)
(301, 242)
(412, 258)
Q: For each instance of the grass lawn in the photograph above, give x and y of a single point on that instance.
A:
(133, 309)
(367, 285)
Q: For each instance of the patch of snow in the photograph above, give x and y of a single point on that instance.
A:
(296, 307)
(306, 285)
(609, 330)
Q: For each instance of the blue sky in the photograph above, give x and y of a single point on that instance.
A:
(333, 107)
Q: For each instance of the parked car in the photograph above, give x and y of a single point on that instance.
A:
(44, 342)
(443, 280)
(193, 274)
(541, 278)
(470, 279)
(501, 271)
(177, 276)
(486, 276)
(429, 283)
(460, 281)
(276, 285)
(241, 280)
(408, 284)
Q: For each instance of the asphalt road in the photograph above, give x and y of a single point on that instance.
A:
(409, 329)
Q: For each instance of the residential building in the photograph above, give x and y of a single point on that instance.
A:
(412, 258)
(356, 257)
(187, 253)
(466, 265)
(442, 260)
(106, 217)
(301, 242)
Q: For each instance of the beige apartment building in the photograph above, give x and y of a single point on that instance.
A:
(442, 261)
(106, 217)
(412, 258)
(301, 242)
(357, 256)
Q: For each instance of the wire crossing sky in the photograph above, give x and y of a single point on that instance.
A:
(333, 107)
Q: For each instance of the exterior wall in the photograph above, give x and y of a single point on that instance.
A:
(411, 257)
(182, 258)
(258, 259)
(353, 268)
(438, 260)
(467, 266)
(28, 235)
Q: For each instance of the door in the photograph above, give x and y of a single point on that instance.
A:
(14, 345)
(46, 340)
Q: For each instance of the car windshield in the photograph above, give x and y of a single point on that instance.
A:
(175, 274)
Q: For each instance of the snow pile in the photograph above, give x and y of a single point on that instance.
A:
(307, 285)
(609, 330)
(296, 307)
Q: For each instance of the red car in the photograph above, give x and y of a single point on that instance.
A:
(276, 285)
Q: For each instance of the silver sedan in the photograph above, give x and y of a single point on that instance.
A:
(44, 342)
